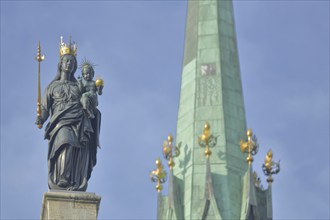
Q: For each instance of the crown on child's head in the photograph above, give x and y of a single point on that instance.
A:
(86, 62)
(68, 49)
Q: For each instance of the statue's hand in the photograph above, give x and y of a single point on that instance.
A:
(79, 79)
(99, 90)
(39, 121)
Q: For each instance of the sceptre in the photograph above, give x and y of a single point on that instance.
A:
(39, 58)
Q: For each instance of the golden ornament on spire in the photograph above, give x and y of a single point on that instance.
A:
(158, 175)
(168, 151)
(250, 147)
(207, 140)
(65, 49)
(270, 167)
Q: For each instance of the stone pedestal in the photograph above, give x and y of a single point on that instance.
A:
(70, 205)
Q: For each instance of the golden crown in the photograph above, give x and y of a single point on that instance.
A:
(68, 49)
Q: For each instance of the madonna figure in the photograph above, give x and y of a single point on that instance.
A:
(73, 137)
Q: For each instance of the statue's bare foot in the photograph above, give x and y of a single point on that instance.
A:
(72, 188)
(62, 183)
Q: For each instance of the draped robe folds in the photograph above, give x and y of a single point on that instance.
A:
(73, 137)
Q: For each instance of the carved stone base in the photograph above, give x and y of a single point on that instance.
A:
(70, 205)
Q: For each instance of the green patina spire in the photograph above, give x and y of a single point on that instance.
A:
(219, 186)
(211, 90)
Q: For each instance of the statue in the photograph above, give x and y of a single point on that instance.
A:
(73, 136)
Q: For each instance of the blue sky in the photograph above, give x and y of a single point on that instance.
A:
(138, 49)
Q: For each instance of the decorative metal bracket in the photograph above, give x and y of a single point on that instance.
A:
(250, 147)
(207, 140)
(270, 167)
(158, 175)
(170, 151)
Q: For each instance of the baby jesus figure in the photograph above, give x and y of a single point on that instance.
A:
(89, 88)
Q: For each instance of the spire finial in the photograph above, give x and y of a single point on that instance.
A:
(207, 140)
(250, 147)
(168, 151)
(158, 175)
(270, 167)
